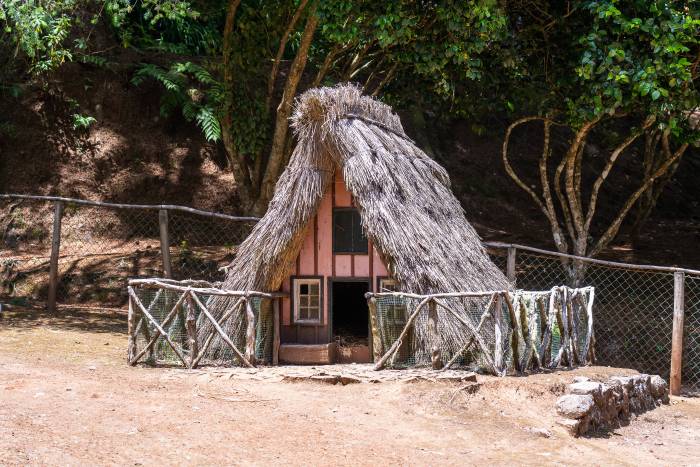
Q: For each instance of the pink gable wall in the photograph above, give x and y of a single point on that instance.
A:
(317, 259)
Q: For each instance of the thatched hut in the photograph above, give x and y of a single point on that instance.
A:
(359, 208)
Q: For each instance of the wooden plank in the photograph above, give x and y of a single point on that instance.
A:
(55, 249)
(375, 341)
(131, 345)
(250, 333)
(191, 326)
(677, 333)
(165, 242)
(498, 336)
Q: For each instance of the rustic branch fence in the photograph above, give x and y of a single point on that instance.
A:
(498, 331)
(646, 317)
(168, 322)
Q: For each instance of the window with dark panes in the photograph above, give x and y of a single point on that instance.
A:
(348, 236)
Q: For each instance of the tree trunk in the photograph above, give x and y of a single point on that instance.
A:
(274, 164)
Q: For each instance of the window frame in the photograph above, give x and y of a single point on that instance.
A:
(365, 251)
(297, 281)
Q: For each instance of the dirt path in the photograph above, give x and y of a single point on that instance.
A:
(67, 397)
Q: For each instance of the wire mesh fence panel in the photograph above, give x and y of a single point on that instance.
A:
(633, 309)
(170, 309)
(102, 246)
(25, 249)
(201, 246)
(691, 351)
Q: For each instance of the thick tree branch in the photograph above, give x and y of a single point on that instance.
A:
(238, 164)
(570, 180)
(284, 110)
(386, 80)
(608, 167)
(550, 214)
(614, 227)
(562, 199)
(280, 52)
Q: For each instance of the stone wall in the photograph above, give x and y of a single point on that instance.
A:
(591, 405)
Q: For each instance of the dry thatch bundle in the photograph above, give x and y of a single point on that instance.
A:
(404, 198)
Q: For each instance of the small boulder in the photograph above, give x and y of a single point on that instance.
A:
(575, 406)
(586, 387)
(659, 389)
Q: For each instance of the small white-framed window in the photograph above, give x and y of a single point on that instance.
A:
(307, 300)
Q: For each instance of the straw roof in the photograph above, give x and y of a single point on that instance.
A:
(404, 198)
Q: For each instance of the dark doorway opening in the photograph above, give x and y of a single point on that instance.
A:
(350, 312)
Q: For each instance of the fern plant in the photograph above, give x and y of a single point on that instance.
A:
(190, 88)
(82, 122)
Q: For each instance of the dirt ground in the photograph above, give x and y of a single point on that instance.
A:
(68, 397)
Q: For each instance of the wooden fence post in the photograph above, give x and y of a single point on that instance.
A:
(677, 335)
(191, 325)
(276, 331)
(131, 346)
(498, 334)
(376, 341)
(510, 264)
(434, 335)
(250, 333)
(55, 248)
(165, 242)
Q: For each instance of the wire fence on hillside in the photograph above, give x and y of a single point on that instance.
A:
(102, 246)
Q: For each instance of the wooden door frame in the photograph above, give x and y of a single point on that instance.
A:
(331, 280)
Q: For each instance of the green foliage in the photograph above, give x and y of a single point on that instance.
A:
(607, 58)
(637, 55)
(82, 122)
(39, 30)
(441, 43)
(191, 88)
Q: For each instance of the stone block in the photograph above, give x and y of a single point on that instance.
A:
(575, 405)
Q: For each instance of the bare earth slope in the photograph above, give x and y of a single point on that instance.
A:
(69, 398)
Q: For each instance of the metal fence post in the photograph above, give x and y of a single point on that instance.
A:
(510, 264)
(55, 248)
(165, 242)
(677, 335)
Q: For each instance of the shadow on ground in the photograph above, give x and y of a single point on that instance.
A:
(98, 320)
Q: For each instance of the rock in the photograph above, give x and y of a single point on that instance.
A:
(575, 405)
(659, 389)
(581, 379)
(570, 425)
(345, 380)
(543, 432)
(586, 387)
